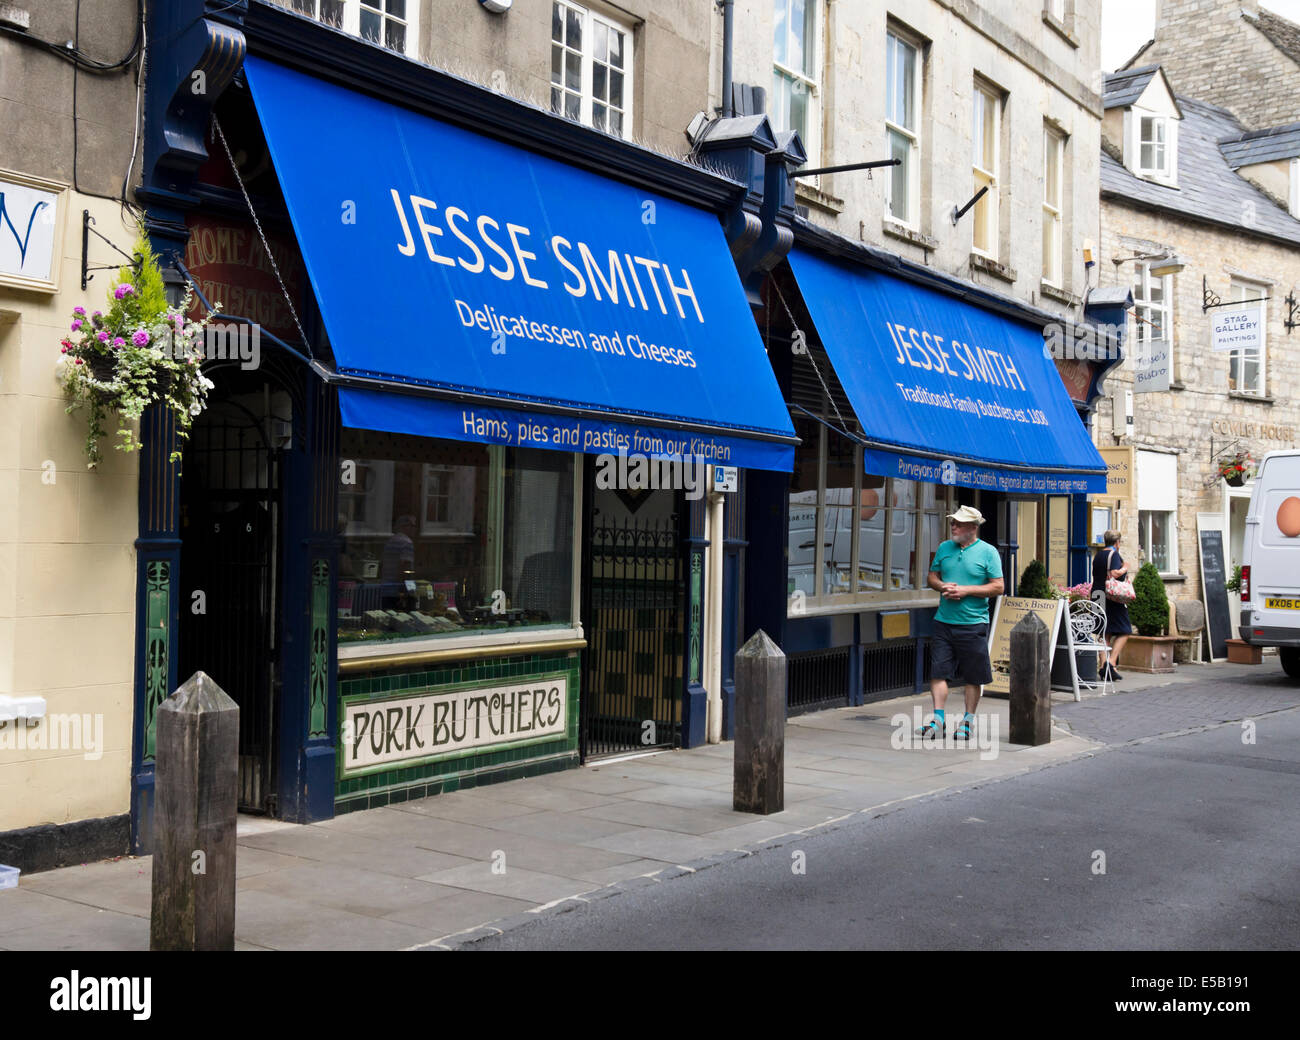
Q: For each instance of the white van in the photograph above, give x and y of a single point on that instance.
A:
(1270, 563)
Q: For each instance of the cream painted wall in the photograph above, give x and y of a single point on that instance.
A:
(67, 560)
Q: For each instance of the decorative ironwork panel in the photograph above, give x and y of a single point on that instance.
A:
(157, 647)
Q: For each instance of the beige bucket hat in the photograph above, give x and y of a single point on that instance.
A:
(967, 515)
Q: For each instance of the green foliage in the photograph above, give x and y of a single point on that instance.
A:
(1034, 583)
(1233, 584)
(149, 303)
(1150, 611)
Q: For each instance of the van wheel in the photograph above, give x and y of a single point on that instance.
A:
(1290, 660)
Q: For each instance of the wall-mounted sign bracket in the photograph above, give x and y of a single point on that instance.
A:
(86, 267)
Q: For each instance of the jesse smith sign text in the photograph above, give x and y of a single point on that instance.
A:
(424, 725)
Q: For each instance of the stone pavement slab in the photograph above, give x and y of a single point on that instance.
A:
(418, 873)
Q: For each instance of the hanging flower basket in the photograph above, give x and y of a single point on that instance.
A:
(1237, 469)
(116, 363)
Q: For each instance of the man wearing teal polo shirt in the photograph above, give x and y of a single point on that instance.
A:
(965, 573)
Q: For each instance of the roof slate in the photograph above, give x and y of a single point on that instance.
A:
(1124, 88)
(1208, 187)
(1260, 146)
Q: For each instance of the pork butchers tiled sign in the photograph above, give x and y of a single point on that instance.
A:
(416, 727)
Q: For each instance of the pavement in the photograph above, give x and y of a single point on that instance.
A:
(442, 872)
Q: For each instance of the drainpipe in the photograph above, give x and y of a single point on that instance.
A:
(728, 8)
(715, 534)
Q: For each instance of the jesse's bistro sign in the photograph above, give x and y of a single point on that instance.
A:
(413, 728)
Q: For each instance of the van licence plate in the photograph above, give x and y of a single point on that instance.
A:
(1276, 603)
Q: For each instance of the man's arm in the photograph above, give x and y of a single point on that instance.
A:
(935, 582)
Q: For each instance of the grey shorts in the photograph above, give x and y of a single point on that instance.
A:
(960, 654)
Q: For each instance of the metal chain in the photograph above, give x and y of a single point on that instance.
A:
(260, 234)
(809, 354)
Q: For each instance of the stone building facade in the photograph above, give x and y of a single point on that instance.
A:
(1235, 242)
(1233, 53)
(67, 562)
(1038, 71)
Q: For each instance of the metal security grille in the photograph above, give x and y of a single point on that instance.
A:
(888, 668)
(817, 679)
(231, 499)
(632, 692)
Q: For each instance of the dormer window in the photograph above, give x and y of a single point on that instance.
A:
(1152, 147)
(1151, 143)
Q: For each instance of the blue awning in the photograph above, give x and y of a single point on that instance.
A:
(946, 392)
(514, 299)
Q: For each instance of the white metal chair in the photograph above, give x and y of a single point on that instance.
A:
(1087, 628)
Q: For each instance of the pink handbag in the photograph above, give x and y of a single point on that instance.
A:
(1120, 590)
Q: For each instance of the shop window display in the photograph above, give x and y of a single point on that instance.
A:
(446, 537)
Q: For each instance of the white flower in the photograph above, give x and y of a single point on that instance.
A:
(196, 409)
(208, 384)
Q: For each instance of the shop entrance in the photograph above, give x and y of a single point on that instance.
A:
(230, 558)
(635, 586)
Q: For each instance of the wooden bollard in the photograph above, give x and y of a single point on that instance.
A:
(1031, 682)
(758, 785)
(195, 805)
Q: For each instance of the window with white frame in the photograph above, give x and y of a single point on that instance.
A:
(1246, 367)
(985, 127)
(390, 23)
(1157, 490)
(1152, 311)
(1053, 203)
(1154, 143)
(903, 126)
(1294, 198)
(591, 68)
(795, 87)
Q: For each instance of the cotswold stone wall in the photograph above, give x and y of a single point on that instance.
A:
(1202, 415)
(1007, 43)
(1213, 50)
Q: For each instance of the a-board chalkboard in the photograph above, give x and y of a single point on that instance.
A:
(1218, 624)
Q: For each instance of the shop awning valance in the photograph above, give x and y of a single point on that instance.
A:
(511, 298)
(945, 391)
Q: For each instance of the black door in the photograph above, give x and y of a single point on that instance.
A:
(229, 567)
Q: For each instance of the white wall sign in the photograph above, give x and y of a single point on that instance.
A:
(1153, 366)
(724, 478)
(425, 725)
(31, 226)
(1237, 328)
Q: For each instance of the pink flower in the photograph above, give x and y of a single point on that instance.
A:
(79, 361)
(102, 337)
(79, 310)
(140, 337)
(125, 289)
(97, 314)
(63, 349)
(119, 343)
(76, 325)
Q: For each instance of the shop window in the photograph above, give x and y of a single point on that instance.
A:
(1157, 489)
(985, 134)
(1053, 204)
(876, 535)
(795, 89)
(1246, 367)
(903, 126)
(803, 509)
(591, 68)
(1156, 538)
(390, 23)
(447, 537)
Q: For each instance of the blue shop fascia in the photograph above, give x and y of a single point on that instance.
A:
(451, 308)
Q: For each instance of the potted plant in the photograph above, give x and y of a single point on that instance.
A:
(116, 362)
(1150, 650)
(1237, 469)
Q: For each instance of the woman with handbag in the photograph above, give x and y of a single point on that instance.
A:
(1109, 566)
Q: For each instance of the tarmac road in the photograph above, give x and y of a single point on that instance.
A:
(1198, 834)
